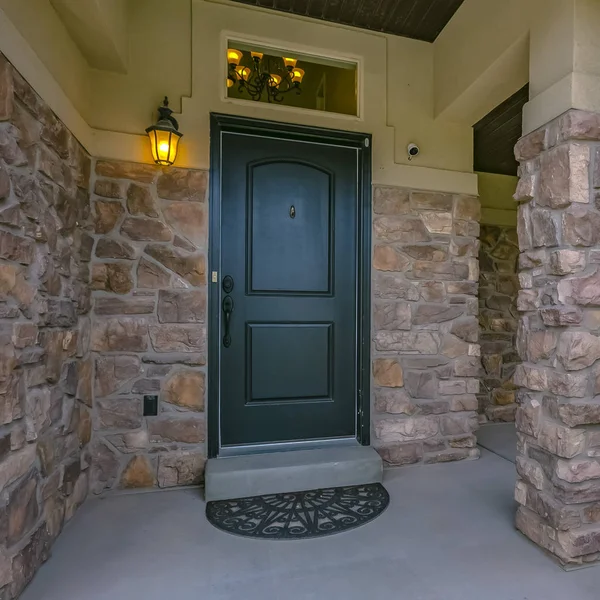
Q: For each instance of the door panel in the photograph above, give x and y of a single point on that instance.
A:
(289, 236)
(290, 240)
(290, 362)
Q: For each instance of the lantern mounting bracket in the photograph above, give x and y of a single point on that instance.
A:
(166, 114)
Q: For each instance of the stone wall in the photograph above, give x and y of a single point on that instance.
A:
(45, 369)
(558, 487)
(498, 288)
(103, 302)
(425, 351)
(148, 325)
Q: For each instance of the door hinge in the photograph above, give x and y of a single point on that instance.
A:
(215, 277)
(367, 142)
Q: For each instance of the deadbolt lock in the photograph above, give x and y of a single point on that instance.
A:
(228, 284)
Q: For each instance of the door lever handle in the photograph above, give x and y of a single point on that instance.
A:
(227, 310)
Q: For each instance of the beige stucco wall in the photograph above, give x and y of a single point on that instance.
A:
(160, 63)
(481, 56)
(50, 41)
(498, 206)
(564, 63)
(412, 91)
(169, 53)
(490, 49)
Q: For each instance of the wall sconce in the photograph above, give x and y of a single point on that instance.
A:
(164, 136)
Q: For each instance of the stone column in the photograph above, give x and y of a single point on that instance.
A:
(558, 419)
(425, 331)
(498, 318)
(148, 330)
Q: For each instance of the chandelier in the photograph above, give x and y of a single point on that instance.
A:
(273, 77)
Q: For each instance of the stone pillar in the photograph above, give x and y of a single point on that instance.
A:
(558, 487)
(498, 288)
(425, 331)
(45, 360)
(148, 331)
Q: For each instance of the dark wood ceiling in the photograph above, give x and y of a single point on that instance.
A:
(417, 19)
(495, 136)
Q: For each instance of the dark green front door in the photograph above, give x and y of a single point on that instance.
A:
(288, 290)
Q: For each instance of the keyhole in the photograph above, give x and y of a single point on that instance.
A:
(292, 211)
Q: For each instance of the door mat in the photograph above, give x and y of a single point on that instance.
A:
(299, 515)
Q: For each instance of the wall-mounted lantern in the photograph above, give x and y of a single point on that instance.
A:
(164, 136)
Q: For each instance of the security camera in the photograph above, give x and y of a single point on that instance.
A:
(413, 150)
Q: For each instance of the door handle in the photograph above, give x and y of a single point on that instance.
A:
(227, 310)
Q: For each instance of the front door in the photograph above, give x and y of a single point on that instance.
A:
(288, 298)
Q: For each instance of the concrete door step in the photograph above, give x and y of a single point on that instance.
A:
(294, 471)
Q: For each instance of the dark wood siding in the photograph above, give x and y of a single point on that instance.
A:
(417, 19)
(495, 136)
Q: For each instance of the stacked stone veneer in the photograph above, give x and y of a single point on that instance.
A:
(498, 318)
(45, 368)
(425, 330)
(148, 328)
(558, 419)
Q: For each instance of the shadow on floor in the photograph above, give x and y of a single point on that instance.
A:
(499, 438)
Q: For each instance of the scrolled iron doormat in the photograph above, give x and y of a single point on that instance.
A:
(299, 515)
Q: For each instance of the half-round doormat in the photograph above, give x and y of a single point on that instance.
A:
(300, 515)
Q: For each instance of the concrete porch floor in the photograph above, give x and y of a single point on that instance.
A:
(447, 535)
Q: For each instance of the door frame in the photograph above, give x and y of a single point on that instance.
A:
(220, 124)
